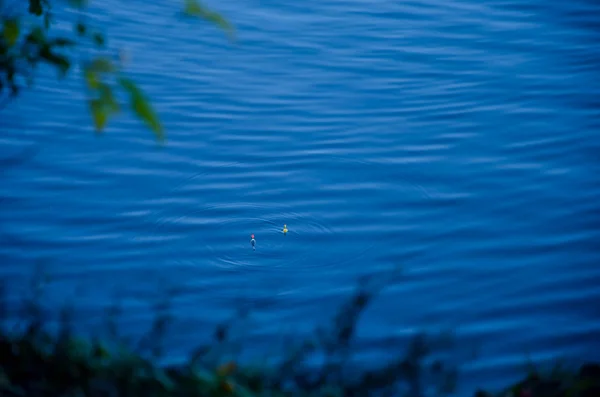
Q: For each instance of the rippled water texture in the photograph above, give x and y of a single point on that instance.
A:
(456, 140)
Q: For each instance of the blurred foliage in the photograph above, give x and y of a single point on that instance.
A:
(35, 362)
(558, 382)
(27, 40)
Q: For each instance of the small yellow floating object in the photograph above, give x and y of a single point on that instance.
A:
(284, 229)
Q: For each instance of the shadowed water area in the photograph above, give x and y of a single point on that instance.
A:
(452, 144)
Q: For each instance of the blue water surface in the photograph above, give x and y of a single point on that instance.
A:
(448, 146)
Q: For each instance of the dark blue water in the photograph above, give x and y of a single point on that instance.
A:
(449, 145)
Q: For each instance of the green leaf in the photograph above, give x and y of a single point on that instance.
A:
(103, 106)
(99, 39)
(47, 20)
(36, 36)
(141, 107)
(60, 61)
(78, 3)
(99, 114)
(196, 9)
(14, 89)
(102, 65)
(9, 85)
(62, 42)
(30, 80)
(91, 78)
(95, 68)
(108, 99)
(163, 379)
(80, 28)
(100, 351)
(35, 7)
(11, 31)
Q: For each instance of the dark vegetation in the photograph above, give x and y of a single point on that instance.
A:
(38, 361)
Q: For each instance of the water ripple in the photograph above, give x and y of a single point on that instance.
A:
(455, 140)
